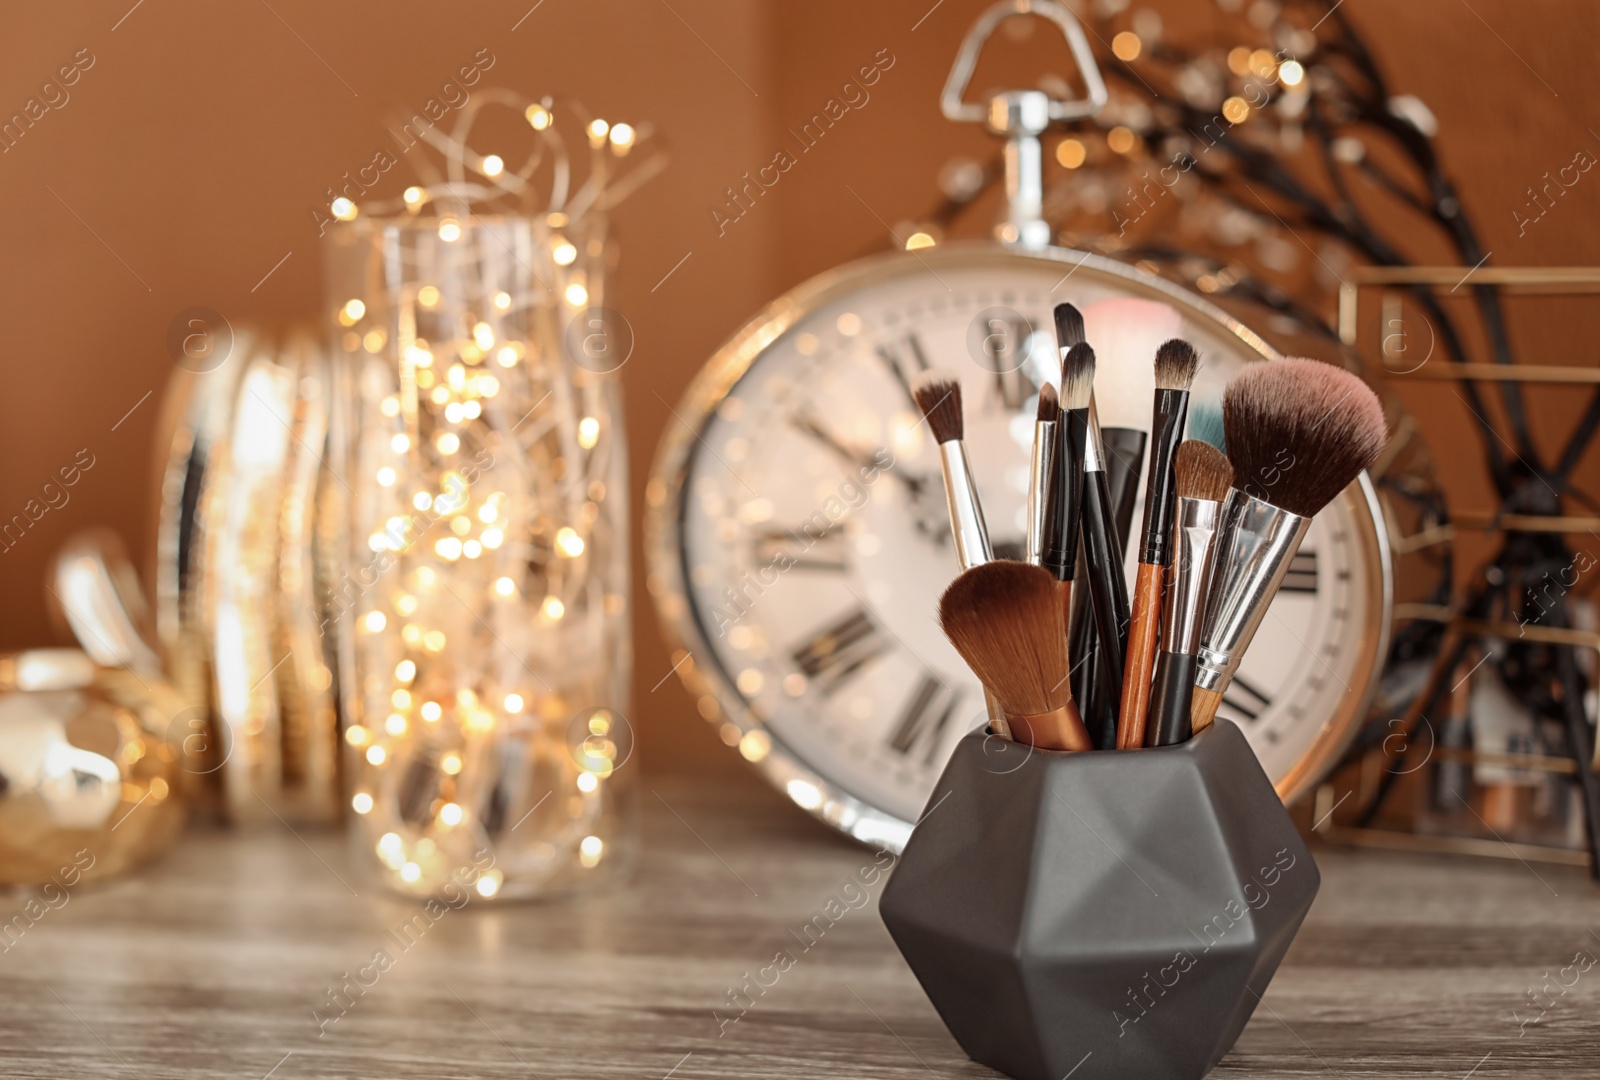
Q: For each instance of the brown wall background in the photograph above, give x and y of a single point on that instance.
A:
(186, 161)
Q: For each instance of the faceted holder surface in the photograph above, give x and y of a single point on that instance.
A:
(1123, 911)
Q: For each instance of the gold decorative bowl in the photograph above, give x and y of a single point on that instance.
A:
(89, 783)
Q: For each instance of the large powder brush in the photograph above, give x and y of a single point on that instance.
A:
(1006, 620)
(1298, 432)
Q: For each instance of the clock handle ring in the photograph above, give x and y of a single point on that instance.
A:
(966, 61)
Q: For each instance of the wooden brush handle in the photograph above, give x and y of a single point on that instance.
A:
(1140, 664)
(1203, 708)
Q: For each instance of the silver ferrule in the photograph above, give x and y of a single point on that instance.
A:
(1044, 454)
(1193, 541)
(1094, 448)
(1255, 543)
(966, 516)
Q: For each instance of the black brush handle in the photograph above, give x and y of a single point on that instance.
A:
(1122, 449)
(1108, 591)
(1065, 503)
(1124, 452)
(1160, 488)
(1169, 699)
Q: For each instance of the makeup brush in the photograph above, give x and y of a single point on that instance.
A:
(1065, 510)
(1077, 391)
(1298, 432)
(938, 395)
(1124, 449)
(1108, 588)
(1043, 481)
(1175, 366)
(1202, 477)
(1006, 621)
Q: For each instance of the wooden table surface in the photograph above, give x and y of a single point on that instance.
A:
(209, 963)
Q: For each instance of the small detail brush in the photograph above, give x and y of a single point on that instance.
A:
(1298, 432)
(1175, 365)
(938, 395)
(1202, 476)
(1005, 619)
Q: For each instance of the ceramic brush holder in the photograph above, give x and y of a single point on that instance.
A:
(1124, 909)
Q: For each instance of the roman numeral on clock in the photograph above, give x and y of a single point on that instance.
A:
(810, 550)
(840, 649)
(1302, 575)
(905, 360)
(1245, 699)
(924, 719)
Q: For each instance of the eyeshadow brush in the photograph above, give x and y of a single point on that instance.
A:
(1202, 477)
(938, 395)
(1175, 365)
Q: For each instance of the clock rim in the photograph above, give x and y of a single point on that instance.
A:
(664, 508)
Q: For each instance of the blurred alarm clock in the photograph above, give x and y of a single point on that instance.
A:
(798, 539)
(796, 526)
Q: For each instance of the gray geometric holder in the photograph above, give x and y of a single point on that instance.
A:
(1119, 911)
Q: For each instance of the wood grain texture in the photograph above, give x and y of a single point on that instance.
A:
(1140, 665)
(208, 966)
(1203, 708)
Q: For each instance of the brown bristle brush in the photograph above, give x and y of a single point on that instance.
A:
(1202, 477)
(1175, 365)
(938, 395)
(1006, 620)
(1298, 432)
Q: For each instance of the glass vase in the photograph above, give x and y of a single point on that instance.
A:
(483, 612)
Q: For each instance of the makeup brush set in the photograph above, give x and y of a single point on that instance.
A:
(1057, 903)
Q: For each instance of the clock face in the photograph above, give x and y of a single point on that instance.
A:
(800, 539)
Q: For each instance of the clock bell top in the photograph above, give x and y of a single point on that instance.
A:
(1021, 116)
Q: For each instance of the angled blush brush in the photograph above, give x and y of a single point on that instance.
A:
(1175, 365)
(1202, 477)
(1005, 619)
(938, 395)
(1298, 431)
